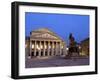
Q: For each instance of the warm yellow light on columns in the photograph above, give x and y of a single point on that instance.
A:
(32, 46)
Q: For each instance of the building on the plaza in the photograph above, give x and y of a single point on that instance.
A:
(43, 42)
(85, 47)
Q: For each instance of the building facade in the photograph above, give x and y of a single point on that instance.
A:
(43, 42)
(85, 47)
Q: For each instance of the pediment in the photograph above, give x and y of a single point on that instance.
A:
(46, 35)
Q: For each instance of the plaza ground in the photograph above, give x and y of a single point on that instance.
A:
(55, 61)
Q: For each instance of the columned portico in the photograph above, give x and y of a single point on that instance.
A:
(45, 44)
(45, 48)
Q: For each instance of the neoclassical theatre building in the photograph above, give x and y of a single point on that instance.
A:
(43, 42)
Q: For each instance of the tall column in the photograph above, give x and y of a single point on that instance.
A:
(48, 50)
(60, 48)
(39, 48)
(30, 49)
(56, 48)
(44, 48)
(52, 48)
(34, 48)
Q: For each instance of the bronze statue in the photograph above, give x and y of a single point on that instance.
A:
(72, 46)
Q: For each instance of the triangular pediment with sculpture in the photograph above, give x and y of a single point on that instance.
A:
(44, 34)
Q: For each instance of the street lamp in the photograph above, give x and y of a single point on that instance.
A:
(67, 48)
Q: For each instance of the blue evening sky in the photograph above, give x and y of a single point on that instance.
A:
(61, 24)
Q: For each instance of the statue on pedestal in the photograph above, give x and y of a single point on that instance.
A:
(73, 49)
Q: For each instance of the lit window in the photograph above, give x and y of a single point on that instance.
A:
(32, 46)
(37, 46)
(45, 47)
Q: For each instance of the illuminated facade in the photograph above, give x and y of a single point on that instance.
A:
(43, 42)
